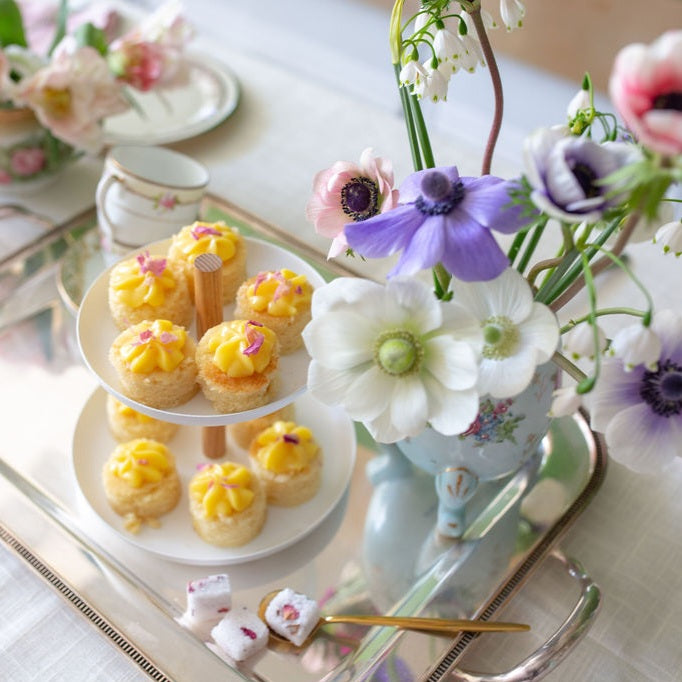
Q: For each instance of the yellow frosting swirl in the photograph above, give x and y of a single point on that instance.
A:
(142, 280)
(200, 237)
(222, 489)
(281, 293)
(241, 348)
(140, 461)
(126, 411)
(154, 345)
(285, 447)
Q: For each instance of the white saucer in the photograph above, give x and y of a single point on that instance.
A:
(207, 97)
(176, 539)
(96, 332)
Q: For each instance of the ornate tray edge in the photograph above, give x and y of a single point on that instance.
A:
(77, 602)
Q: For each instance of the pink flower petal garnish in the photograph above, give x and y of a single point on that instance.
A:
(260, 278)
(291, 438)
(167, 337)
(254, 338)
(204, 231)
(155, 266)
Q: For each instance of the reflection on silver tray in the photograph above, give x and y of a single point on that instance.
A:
(209, 95)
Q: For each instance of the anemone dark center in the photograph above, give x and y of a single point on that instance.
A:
(586, 179)
(439, 195)
(360, 198)
(662, 389)
(668, 100)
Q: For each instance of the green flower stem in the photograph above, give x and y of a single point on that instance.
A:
(516, 246)
(574, 286)
(569, 270)
(601, 313)
(638, 283)
(532, 245)
(475, 14)
(409, 122)
(441, 279)
(555, 278)
(586, 384)
(563, 363)
(422, 133)
(550, 263)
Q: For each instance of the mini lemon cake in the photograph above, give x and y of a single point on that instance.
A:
(227, 504)
(219, 238)
(125, 423)
(155, 363)
(237, 363)
(280, 299)
(141, 482)
(146, 288)
(288, 461)
(244, 432)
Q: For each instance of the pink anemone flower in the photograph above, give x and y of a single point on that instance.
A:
(349, 192)
(646, 88)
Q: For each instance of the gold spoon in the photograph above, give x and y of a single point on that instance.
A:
(440, 626)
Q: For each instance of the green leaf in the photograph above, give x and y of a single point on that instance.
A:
(11, 25)
(60, 32)
(88, 35)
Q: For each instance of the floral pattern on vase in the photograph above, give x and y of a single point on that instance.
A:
(502, 438)
(30, 156)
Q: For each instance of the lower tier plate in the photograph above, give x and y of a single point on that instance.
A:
(175, 539)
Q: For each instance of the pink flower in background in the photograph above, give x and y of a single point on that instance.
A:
(27, 161)
(156, 46)
(5, 177)
(349, 192)
(72, 95)
(140, 65)
(645, 86)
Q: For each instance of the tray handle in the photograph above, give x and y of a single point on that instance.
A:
(552, 652)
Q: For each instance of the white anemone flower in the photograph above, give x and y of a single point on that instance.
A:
(637, 345)
(393, 356)
(670, 235)
(518, 333)
(512, 12)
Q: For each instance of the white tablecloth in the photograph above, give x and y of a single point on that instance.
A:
(317, 86)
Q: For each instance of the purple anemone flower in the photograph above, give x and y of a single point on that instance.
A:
(568, 173)
(640, 411)
(444, 218)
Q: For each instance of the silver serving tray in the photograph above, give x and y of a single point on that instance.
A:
(348, 563)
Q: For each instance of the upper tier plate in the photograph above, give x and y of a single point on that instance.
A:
(96, 332)
(207, 97)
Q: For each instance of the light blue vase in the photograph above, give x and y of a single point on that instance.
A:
(506, 433)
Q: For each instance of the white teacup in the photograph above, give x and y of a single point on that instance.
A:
(146, 194)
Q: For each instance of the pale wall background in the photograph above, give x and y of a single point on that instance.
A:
(569, 37)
